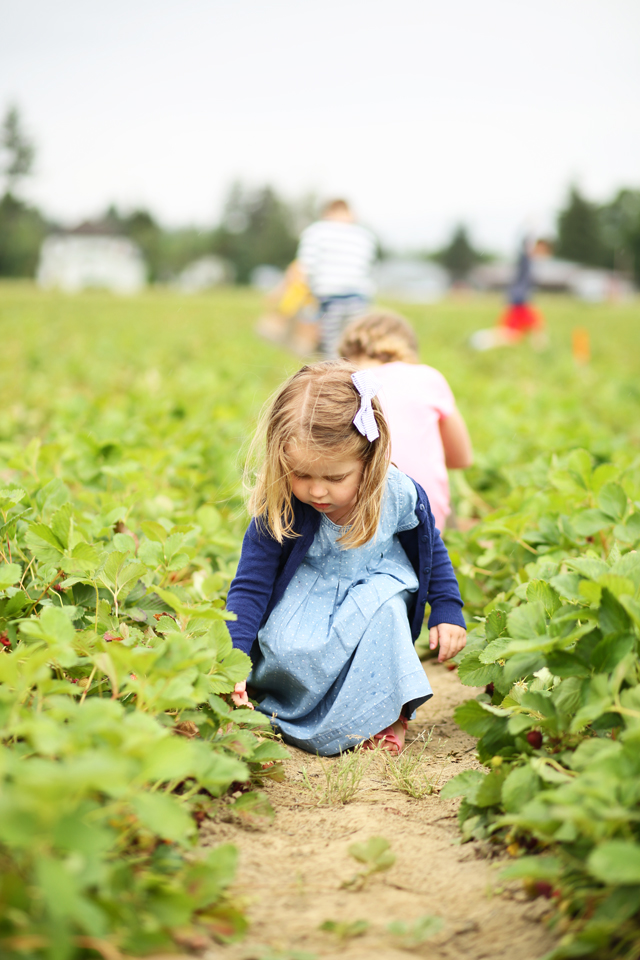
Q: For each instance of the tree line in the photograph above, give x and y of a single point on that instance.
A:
(259, 226)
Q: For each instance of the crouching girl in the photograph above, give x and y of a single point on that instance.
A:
(337, 566)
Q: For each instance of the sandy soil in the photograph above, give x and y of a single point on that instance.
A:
(291, 869)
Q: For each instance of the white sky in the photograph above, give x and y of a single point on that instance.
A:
(422, 112)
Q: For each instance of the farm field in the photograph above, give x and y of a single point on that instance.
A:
(122, 424)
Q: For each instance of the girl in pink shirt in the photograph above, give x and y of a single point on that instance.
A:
(428, 433)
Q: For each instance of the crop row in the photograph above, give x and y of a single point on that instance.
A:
(554, 580)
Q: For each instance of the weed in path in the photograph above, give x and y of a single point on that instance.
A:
(376, 856)
(407, 771)
(345, 930)
(342, 778)
(411, 935)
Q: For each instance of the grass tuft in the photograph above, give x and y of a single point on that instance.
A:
(407, 771)
(340, 779)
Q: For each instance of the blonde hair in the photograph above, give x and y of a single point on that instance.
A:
(380, 335)
(315, 408)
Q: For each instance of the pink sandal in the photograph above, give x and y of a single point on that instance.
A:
(387, 739)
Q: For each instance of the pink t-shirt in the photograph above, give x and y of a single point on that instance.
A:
(415, 398)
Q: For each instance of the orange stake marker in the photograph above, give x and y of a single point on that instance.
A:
(580, 345)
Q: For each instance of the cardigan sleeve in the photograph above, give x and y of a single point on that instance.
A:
(444, 592)
(252, 587)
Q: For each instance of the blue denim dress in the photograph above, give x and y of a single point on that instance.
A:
(336, 662)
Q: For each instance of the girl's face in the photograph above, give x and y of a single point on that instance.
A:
(329, 484)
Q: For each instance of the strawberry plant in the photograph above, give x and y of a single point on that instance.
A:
(118, 538)
(557, 648)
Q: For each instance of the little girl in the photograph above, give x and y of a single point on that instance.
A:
(337, 566)
(428, 434)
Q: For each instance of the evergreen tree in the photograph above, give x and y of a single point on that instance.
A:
(620, 228)
(579, 232)
(17, 152)
(459, 257)
(22, 227)
(258, 227)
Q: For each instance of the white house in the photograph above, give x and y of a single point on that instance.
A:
(557, 276)
(203, 274)
(410, 280)
(88, 257)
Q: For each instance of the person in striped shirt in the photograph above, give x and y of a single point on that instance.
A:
(336, 256)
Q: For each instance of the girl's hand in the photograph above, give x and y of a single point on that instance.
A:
(239, 695)
(451, 639)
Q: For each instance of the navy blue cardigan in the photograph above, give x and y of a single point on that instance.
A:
(267, 567)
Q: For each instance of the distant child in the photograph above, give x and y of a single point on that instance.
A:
(337, 566)
(428, 434)
(520, 319)
(336, 256)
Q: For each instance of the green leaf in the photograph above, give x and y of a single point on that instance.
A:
(538, 590)
(61, 524)
(612, 617)
(588, 566)
(579, 464)
(163, 815)
(10, 573)
(616, 862)
(11, 495)
(45, 533)
(473, 673)
(495, 625)
(566, 585)
(472, 717)
(495, 650)
(489, 791)
(375, 852)
(588, 522)
(527, 621)
(612, 500)
(610, 651)
(154, 531)
(465, 784)
(534, 868)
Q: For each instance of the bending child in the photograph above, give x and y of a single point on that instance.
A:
(428, 433)
(337, 565)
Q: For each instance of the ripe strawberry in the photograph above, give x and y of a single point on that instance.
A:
(534, 737)
(544, 889)
(4, 640)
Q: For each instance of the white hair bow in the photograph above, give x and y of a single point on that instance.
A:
(367, 386)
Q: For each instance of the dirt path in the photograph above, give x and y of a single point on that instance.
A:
(291, 870)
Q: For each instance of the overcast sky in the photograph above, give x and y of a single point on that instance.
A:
(422, 112)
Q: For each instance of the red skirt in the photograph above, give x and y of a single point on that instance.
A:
(521, 318)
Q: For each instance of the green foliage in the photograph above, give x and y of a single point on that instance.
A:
(345, 930)
(376, 856)
(340, 778)
(120, 427)
(579, 233)
(557, 643)
(22, 230)
(459, 256)
(408, 773)
(411, 935)
(16, 150)
(257, 227)
(118, 541)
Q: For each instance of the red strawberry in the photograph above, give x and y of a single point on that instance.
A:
(534, 737)
(4, 640)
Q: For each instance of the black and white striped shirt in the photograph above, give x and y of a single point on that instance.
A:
(337, 258)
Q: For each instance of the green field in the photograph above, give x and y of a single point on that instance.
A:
(122, 426)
